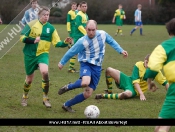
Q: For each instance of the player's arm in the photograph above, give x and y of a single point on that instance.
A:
(136, 81)
(25, 18)
(124, 16)
(161, 79)
(0, 20)
(115, 14)
(57, 42)
(115, 45)
(136, 15)
(74, 50)
(68, 22)
(79, 24)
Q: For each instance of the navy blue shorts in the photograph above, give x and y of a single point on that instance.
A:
(138, 23)
(87, 69)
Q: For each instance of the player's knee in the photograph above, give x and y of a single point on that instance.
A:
(108, 70)
(85, 83)
(45, 75)
(88, 92)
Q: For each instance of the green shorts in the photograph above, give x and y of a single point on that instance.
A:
(126, 84)
(168, 108)
(73, 32)
(31, 63)
(119, 22)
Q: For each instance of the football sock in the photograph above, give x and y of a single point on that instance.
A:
(77, 99)
(26, 90)
(45, 87)
(74, 85)
(110, 96)
(72, 63)
(133, 30)
(109, 80)
(140, 31)
(120, 31)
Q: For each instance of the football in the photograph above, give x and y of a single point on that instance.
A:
(92, 111)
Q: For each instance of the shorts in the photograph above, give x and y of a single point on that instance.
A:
(31, 63)
(87, 69)
(138, 23)
(126, 84)
(168, 108)
(73, 33)
(119, 22)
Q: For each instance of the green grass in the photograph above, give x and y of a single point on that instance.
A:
(12, 77)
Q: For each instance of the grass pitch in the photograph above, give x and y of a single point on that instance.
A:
(12, 77)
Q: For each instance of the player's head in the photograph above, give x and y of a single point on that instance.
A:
(120, 6)
(91, 28)
(146, 60)
(44, 14)
(34, 3)
(170, 26)
(139, 6)
(73, 6)
(78, 7)
(83, 6)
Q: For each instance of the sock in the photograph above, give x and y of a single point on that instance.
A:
(120, 31)
(74, 85)
(109, 80)
(26, 90)
(110, 96)
(140, 31)
(77, 99)
(133, 30)
(72, 63)
(45, 87)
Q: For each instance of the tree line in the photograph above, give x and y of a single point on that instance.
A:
(100, 10)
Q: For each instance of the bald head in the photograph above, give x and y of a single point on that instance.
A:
(91, 28)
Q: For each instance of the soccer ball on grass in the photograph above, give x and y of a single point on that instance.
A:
(92, 111)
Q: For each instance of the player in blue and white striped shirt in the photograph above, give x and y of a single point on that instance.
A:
(90, 49)
(138, 20)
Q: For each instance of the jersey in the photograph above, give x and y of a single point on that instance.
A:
(29, 15)
(91, 50)
(81, 20)
(71, 20)
(163, 57)
(138, 73)
(47, 33)
(137, 14)
(119, 14)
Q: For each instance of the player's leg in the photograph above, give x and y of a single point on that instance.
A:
(162, 128)
(30, 66)
(141, 28)
(45, 83)
(135, 28)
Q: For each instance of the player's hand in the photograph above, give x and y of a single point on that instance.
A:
(37, 40)
(113, 21)
(124, 17)
(152, 87)
(68, 40)
(125, 54)
(60, 66)
(142, 97)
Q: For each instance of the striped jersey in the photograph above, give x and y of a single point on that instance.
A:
(163, 57)
(138, 16)
(29, 15)
(138, 73)
(91, 50)
(48, 34)
(119, 14)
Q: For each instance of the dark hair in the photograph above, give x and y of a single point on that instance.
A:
(170, 26)
(147, 57)
(83, 2)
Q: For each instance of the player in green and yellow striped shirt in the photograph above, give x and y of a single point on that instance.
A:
(119, 15)
(37, 36)
(80, 22)
(132, 85)
(163, 57)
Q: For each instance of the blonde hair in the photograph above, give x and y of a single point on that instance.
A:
(43, 8)
(139, 5)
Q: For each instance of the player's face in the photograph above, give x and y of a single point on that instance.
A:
(139, 7)
(84, 8)
(146, 63)
(74, 7)
(91, 30)
(44, 16)
(78, 8)
(34, 4)
(120, 7)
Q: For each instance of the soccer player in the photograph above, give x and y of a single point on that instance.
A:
(37, 36)
(119, 15)
(80, 21)
(132, 86)
(90, 50)
(78, 8)
(32, 13)
(163, 57)
(0, 20)
(138, 20)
